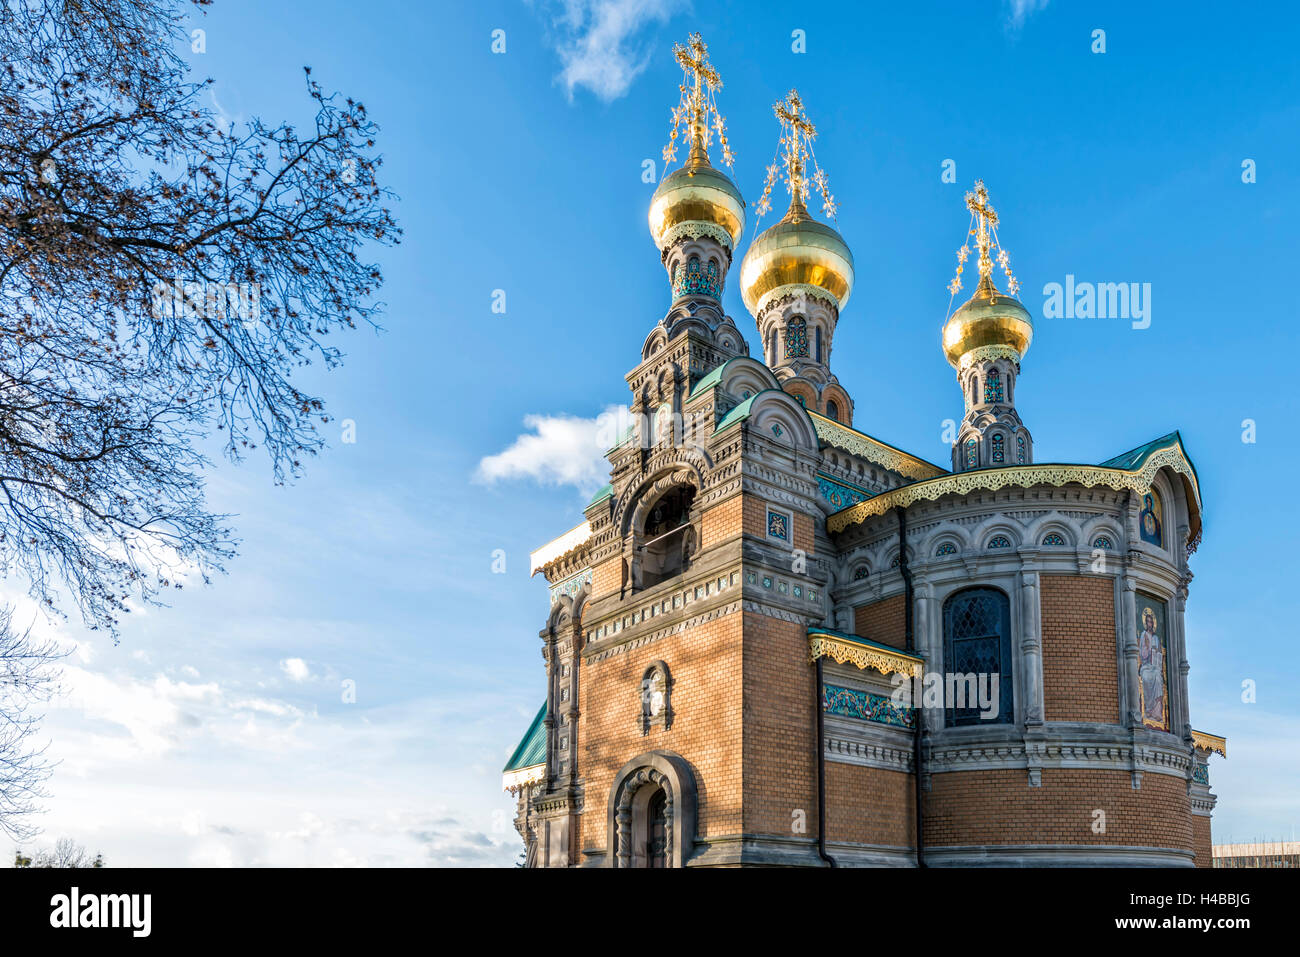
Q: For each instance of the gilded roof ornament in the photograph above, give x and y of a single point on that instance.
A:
(795, 153)
(696, 115)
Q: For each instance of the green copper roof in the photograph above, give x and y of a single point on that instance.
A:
(532, 749)
(740, 412)
(605, 492)
(709, 381)
(1133, 459)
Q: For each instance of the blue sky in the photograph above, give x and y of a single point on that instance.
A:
(216, 733)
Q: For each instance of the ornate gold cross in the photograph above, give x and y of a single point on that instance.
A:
(795, 127)
(697, 104)
(986, 218)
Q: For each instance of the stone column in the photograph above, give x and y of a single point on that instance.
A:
(1183, 725)
(1031, 647)
(1129, 658)
(929, 645)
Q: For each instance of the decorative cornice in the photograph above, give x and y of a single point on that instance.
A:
(515, 781)
(694, 229)
(823, 645)
(1210, 742)
(985, 354)
(855, 442)
(790, 291)
(557, 548)
(1024, 476)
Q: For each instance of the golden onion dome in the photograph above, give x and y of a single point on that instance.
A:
(797, 251)
(989, 318)
(699, 195)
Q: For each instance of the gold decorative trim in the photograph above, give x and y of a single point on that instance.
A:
(851, 440)
(864, 657)
(517, 780)
(695, 229)
(984, 353)
(990, 480)
(793, 289)
(1210, 742)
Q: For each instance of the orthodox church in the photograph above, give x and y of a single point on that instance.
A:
(777, 640)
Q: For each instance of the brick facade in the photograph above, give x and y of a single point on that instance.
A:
(869, 805)
(884, 621)
(998, 807)
(1080, 675)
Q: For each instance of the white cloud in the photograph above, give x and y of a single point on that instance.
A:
(597, 42)
(560, 450)
(1018, 11)
(296, 669)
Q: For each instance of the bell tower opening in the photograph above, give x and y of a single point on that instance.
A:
(667, 539)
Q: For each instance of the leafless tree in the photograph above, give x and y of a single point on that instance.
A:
(162, 276)
(28, 677)
(65, 853)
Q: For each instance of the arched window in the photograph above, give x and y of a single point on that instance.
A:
(1052, 538)
(796, 338)
(817, 335)
(771, 347)
(1020, 449)
(667, 538)
(832, 410)
(999, 541)
(971, 456)
(977, 641)
(999, 449)
(1101, 541)
(974, 389)
(947, 548)
(993, 386)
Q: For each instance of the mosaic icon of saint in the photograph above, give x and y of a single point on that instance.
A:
(1149, 519)
(1151, 672)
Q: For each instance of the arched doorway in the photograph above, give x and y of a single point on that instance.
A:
(652, 812)
(657, 827)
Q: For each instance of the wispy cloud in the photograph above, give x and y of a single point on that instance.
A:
(599, 41)
(559, 450)
(1018, 11)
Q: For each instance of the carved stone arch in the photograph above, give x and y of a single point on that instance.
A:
(743, 374)
(654, 342)
(953, 535)
(991, 528)
(659, 770)
(861, 571)
(644, 495)
(1102, 525)
(561, 614)
(778, 416)
(1050, 524)
(1179, 505)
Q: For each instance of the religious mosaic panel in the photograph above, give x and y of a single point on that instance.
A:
(1151, 519)
(1153, 665)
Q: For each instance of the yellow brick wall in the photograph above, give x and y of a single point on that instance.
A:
(999, 807)
(705, 664)
(1202, 843)
(1080, 675)
(884, 621)
(780, 727)
(869, 805)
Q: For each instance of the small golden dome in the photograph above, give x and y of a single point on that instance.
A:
(697, 194)
(796, 251)
(988, 318)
